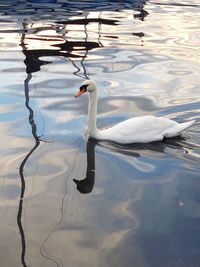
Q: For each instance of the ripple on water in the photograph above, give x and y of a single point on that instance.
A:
(139, 199)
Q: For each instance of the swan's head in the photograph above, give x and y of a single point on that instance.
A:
(86, 86)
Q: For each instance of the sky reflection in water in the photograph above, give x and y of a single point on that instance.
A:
(139, 204)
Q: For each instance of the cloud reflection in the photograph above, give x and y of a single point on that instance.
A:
(135, 191)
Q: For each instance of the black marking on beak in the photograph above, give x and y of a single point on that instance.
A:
(82, 90)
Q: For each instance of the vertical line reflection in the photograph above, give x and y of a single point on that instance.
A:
(21, 168)
(86, 51)
(24, 161)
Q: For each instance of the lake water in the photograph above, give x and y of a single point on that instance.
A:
(141, 206)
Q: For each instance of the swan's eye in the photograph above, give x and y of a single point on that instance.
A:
(82, 90)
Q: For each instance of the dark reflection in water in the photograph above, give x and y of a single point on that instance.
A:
(21, 172)
(86, 185)
(52, 8)
(141, 206)
(68, 49)
(24, 161)
(33, 63)
(22, 166)
(87, 21)
(65, 48)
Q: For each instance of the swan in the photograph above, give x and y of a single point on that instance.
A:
(143, 129)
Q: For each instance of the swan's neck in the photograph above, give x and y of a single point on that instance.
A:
(92, 114)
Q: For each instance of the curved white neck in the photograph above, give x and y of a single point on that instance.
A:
(92, 113)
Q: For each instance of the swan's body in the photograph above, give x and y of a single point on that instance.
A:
(144, 129)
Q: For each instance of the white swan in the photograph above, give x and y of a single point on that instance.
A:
(144, 129)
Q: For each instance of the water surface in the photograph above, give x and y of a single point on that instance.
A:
(141, 206)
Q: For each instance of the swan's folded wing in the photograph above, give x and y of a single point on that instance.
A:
(139, 129)
(144, 129)
(177, 129)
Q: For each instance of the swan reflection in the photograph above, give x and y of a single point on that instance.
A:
(166, 147)
(86, 185)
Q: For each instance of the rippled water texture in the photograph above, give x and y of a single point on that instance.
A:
(141, 205)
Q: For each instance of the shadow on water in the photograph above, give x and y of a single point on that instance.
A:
(86, 185)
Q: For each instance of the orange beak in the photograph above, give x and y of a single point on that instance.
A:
(80, 92)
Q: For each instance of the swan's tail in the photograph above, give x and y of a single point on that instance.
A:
(178, 129)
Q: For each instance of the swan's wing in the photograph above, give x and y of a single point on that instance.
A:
(139, 129)
(178, 128)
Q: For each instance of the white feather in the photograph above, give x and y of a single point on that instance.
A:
(143, 129)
